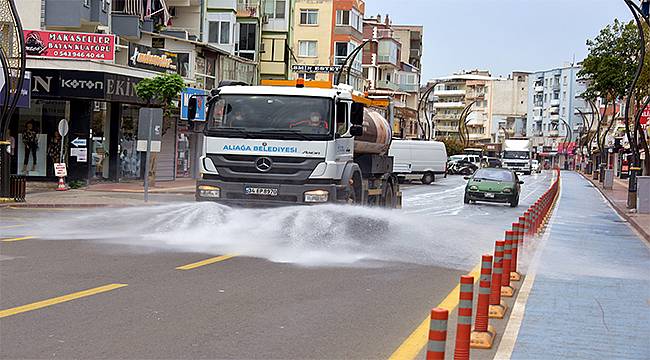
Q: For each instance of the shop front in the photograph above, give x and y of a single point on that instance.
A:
(102, 114)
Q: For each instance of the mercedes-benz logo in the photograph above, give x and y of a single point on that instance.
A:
(263, 164)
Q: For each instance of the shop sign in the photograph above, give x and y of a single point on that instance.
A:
(158, 43)
(200, 103)
(145, 57)
(69, 45)
(84, 85)
(25, 93)
(315, 68)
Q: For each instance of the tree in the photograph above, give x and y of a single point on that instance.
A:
(160, 91)
(454, 146)
(609, 69)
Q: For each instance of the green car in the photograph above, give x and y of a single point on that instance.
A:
(493, 185)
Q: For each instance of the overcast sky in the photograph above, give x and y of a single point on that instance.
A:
(501, 35)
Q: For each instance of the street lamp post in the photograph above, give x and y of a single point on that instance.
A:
(12, 59)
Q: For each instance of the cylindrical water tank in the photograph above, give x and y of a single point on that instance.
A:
(377, 134)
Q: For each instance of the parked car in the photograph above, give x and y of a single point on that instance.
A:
(491, 162)
(493, 185)
(423, 159)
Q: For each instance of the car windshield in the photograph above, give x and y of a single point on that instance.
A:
(270, 116)
(493, 175)
(522, 155)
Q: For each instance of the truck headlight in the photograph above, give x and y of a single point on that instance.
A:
(507, 190)
(316, 196)
(473, 188)
(209, 191)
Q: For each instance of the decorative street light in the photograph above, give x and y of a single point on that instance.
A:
(12, 61)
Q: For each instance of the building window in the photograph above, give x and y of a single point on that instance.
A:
(247, 40)
(87, 3)
(275, 9)
(341, 52)
(307, 48)
(219, 32)
(307, 76)
(349, 18)
(308, 17)
(565, 80)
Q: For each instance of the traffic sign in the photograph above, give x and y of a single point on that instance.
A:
(63, 127)
(78, 142)
(200, 103)
(60, 170)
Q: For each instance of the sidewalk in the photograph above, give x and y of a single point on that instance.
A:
(107, 194)
(618, 198)
(587, 291)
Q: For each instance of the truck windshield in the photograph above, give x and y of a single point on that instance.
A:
(270, 116)
(522, 155)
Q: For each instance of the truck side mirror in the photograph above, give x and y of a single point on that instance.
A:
(191, 108)
(356, 117)
(356, 130)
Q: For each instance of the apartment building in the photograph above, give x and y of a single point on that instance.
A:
(391, 68)
(325, 32)
(510, 107)
(117, 44)
(277, 29)
(453, 93)
(553, 100)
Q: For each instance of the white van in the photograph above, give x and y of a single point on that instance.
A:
(418, 158)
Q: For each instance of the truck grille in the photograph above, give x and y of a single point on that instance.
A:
(242, 167)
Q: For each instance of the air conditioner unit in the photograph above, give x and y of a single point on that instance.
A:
(103, 29)
(265, 19)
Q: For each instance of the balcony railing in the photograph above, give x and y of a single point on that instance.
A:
(408, 87)
(449, 92)
(448, 105)
(539, 88)
(388, 85)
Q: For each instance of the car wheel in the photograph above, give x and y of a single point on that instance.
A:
(514, 202)
(428, 178)
(466, 199)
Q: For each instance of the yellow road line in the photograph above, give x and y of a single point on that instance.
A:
(58, 300)
(11, 226)
(413, 344)
(18, 238)
(205, 262)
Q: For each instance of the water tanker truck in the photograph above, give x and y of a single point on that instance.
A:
(296, 142)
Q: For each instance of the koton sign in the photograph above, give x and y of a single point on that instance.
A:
(69, 45)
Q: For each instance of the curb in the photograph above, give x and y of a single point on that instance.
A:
(644, 235)
(51, 206)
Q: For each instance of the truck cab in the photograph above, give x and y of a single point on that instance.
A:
(289, 145)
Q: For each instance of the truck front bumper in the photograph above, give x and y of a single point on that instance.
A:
(234, 193)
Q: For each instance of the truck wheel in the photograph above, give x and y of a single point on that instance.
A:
(428, 178)
(388, 197)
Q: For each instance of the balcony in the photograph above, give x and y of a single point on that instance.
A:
(555, 102)
(449, 92)
(74, 14)
(125, 25)
(386, 85)
(449, 105)
(248, 8)
(553, 133)
(447, 128)
(539, 88)
(537, 118)
(472, 95)
(554, 110)
(223, 4)
(410, 88)
(447, 116)
(555, 118)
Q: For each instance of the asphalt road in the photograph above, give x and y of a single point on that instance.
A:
(242, 307)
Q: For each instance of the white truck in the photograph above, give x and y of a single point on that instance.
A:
(296, 142)
(420, 159)
(517, 155)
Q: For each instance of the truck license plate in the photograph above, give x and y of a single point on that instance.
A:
(264, 191)
(489, 195)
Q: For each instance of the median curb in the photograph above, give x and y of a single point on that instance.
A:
(630, 220)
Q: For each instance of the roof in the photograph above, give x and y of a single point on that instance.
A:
(282, 90)
(464, 77)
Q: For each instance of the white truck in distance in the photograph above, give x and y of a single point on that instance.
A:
(419, 159)
(296, 142)
(517, 155)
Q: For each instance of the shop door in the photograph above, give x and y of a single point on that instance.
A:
(130, 159)
(99, 141)
(166, 162)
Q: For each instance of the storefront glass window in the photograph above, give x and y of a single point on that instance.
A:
(37, 143)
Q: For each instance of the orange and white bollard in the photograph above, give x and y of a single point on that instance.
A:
(497, 307)
(506, 289)
(437, 334)
(522, 230)
(464, 322)
(483, 335)
(514, 235)
(61, 186)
